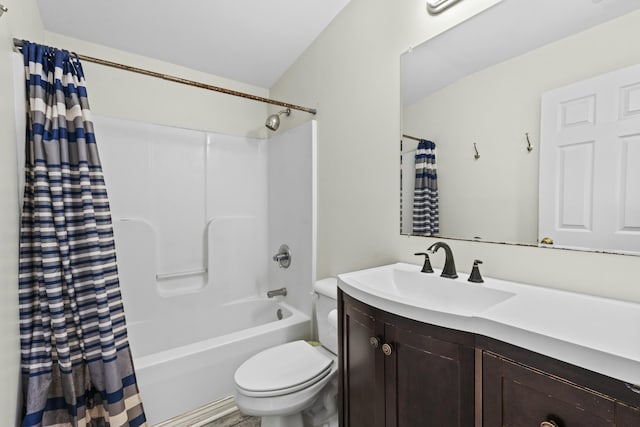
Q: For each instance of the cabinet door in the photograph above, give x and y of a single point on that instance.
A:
(517, 396)
(362, 368)
(430, 382)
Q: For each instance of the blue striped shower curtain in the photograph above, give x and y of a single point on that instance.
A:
(425, 197)
(76, 364)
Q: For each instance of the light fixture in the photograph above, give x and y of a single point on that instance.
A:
(435, 7)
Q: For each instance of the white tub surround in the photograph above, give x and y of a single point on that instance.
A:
(599, 334)
(197, 218)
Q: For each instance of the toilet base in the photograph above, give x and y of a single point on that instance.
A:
(294, 420)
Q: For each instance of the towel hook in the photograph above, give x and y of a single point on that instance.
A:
(475, 148)
(529, 146)
(3, 9)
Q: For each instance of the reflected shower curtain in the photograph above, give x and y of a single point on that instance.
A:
(76, 365)
(425, 197)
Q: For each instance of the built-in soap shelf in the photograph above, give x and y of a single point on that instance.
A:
(231, 256)
(167, 284)
(166, 276)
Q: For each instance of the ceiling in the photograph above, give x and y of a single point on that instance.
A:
(251, 41)
(509, 28)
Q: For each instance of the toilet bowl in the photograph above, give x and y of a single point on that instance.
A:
(295, 384)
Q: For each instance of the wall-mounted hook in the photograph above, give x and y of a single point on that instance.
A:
(475, 148)
(529, 146)
(3, 9)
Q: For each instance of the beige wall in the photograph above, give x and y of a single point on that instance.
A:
(23, 20)
(351, 73)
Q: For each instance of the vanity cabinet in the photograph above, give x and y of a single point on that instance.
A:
(402, 373)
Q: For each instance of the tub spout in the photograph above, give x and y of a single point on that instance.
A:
(276, 292)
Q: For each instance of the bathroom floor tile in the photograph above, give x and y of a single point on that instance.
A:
(235, 420)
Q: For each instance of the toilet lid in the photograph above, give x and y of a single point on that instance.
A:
(282, 369)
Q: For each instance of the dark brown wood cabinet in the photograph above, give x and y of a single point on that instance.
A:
(515, 394)
(396, 372)
(361, 366)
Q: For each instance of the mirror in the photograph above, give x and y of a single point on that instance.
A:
(478, 87)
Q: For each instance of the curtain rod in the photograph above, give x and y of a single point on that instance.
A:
(412, 137)
(18, 45)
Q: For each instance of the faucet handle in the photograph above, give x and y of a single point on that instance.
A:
(283, 257)
(475, 276)
(426, 267)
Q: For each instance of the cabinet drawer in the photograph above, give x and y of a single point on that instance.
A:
(627, 416)
(518, 396)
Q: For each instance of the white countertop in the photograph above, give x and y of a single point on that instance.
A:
(599, 334)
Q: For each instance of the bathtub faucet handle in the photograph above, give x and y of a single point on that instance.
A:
(276, 292)
(283, 257)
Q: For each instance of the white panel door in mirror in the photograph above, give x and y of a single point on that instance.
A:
(590, 144)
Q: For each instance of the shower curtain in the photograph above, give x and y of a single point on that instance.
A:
(425, 197)
(76, 364)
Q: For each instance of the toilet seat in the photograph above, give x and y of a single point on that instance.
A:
(282, 369)
(287, 390)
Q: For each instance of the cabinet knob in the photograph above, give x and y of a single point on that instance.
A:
(548, 424)
(387, 349)
(375, 342)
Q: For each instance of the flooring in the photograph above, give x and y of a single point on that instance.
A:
(235, 419)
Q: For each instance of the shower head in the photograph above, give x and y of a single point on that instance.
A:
(273, 121)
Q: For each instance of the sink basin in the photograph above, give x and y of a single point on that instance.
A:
(406, 284)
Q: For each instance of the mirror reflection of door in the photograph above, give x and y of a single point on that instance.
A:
(589, 156)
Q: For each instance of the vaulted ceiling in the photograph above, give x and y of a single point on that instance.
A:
(252, 41)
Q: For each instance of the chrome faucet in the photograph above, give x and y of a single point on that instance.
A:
(449, 270)
(276, 292)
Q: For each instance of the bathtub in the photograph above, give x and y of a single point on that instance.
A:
(180, 370)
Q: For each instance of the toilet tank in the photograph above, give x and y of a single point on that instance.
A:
(327, 312)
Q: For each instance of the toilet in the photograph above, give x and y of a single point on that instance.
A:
(295, 384)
